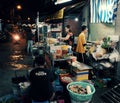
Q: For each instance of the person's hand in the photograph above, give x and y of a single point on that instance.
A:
(52, 98)
(60, 39)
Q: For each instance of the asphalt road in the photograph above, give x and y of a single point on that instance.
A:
(13, 57)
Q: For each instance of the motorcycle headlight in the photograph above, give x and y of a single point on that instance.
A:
(16, 37)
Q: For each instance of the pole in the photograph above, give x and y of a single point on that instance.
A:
(12, 14)
(38, 25)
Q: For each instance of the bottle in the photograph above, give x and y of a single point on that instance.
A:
(88, 89)
(70, 50)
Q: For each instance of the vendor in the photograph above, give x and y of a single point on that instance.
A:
(81, 43)
(41, 82)
(69, 39)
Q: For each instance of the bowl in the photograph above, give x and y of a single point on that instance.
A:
(81, 97)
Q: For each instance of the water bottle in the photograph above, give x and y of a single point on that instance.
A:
(70, 50)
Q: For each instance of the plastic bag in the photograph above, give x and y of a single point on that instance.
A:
(114, 56)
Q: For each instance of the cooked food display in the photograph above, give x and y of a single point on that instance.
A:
(79, 89)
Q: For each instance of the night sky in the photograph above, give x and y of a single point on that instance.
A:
(29, 8)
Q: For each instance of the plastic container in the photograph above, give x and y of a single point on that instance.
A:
(74, 58)
(66, 78)
(81, 97)
(64, 49)
(58, 52)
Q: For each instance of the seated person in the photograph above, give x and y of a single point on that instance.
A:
(41, 90)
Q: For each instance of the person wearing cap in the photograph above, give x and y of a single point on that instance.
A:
(41, 78)
(81, 43)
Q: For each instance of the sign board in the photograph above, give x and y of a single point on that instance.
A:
(57, 15)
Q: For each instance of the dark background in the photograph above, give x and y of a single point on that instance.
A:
(31, 7)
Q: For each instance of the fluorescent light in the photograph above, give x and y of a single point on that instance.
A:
(61, 1)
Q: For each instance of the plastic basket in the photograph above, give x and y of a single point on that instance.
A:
(81, 97)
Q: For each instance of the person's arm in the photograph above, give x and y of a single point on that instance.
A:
(52, 97)
(65, 38)
(31, 74)
(84, 44)
(52, 75)
(83, 40)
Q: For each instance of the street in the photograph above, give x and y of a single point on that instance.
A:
(13, 57)
(15, 60)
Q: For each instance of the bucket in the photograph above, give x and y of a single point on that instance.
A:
(72, 101)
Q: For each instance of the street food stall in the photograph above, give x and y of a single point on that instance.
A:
(102, 57)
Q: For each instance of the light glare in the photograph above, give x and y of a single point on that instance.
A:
(61, 1)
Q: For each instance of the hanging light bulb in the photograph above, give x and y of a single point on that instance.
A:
(76, 19)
